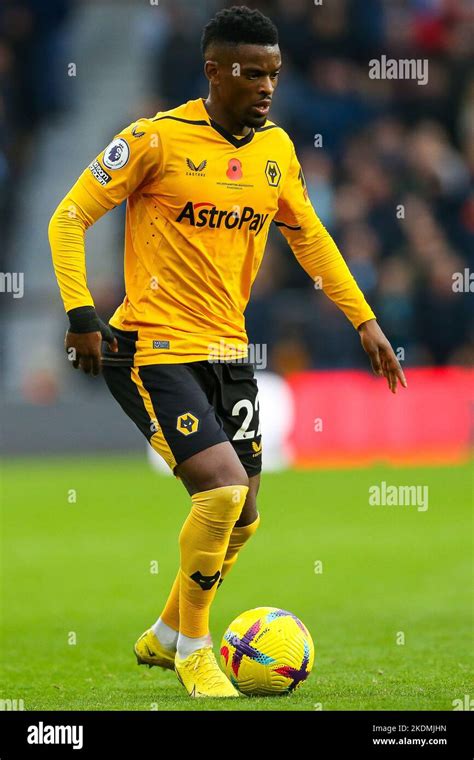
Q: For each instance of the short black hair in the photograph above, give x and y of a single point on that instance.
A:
(239, 25)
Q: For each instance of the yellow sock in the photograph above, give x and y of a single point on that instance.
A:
(203, 544)
(239, 536)
(170, 614)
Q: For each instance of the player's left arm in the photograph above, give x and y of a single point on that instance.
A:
(320, 257)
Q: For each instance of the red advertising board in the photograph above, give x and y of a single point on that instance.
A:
(351, 418)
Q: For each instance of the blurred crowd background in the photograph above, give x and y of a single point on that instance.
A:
(392, 180)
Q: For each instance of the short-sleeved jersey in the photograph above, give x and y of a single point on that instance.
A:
(200, 204)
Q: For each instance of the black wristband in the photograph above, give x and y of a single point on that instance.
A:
(83, 319)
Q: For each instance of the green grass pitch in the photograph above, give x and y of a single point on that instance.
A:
(83, 568)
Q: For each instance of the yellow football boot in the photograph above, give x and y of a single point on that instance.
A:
(201, 676)
(149, 651)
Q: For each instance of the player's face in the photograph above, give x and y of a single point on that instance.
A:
(247, 76)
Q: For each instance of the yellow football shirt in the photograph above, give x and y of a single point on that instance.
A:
(200, 203)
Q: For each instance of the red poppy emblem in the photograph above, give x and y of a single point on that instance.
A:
(234, 170)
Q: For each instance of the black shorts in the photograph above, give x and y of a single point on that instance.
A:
(185, 408)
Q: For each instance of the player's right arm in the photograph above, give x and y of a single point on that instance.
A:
(127, 164)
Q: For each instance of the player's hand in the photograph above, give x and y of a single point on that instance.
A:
(85, 349)
(381, 354)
